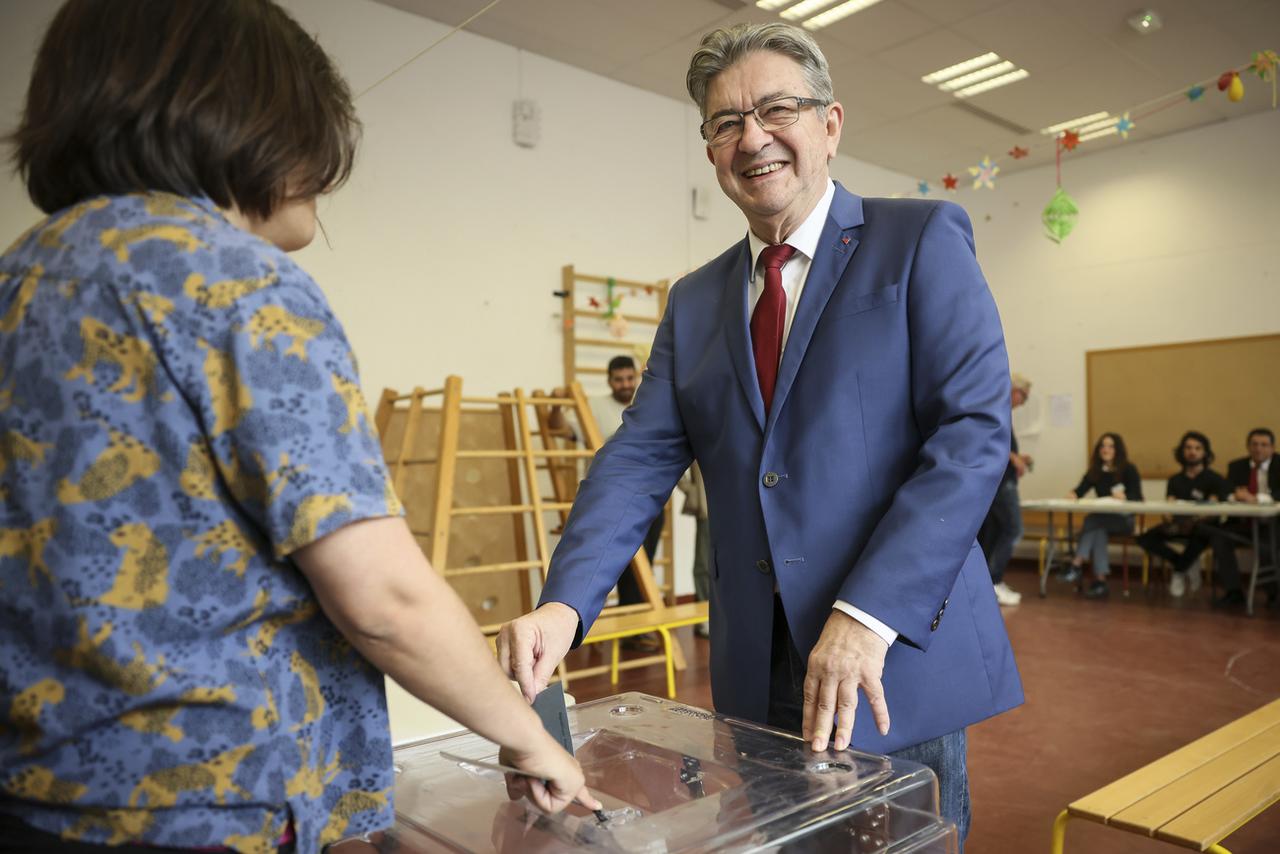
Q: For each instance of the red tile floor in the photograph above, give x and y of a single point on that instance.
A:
(1110, 686)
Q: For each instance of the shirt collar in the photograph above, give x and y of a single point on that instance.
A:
(805, 238)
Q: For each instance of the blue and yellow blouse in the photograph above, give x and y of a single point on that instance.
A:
(179, 411)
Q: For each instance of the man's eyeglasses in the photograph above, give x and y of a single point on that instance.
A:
(772, 116)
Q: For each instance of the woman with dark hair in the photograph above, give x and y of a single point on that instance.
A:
(203, 561)
(1110, 475)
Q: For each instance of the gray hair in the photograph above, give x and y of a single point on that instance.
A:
(723, 47)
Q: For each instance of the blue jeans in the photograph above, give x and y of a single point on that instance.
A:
(945, 755)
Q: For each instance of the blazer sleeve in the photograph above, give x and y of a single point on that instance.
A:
(1083, 487)
(1237, 474)
(1132, 483)
(626, 487)
(960, 398)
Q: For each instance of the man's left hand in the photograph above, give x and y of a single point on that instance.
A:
(848, 656)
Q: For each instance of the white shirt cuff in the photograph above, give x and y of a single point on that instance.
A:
(886, 634)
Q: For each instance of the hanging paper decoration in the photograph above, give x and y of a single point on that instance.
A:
(1018, 152)
(949, 182)
(611, 302)
(923, 188)
(1059, 216)
(1069, 140)
(1194, 93)
(1124, 125)
(648, 289)
(593, 302)
(1231, 83)
(1264, 65)
(618, 325)
(984, 174)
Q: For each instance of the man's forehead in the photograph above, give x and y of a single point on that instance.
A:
(754, 79)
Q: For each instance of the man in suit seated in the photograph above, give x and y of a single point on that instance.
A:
(1254, 479)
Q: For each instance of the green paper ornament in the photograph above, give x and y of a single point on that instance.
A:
(1059, 216)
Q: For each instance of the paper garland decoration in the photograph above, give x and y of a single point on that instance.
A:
(1194, 93)
(1069, 140)
(923, 188)
(949, 182)
(1231, 83)
(1124, 125)
(1059, 216)
(1264, 65)
(984, 174)
(1018, 152)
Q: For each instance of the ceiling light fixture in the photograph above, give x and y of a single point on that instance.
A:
(977, 76)
(770, 5)
(805, 9)
(1146, 22)
(1074, 123)
(837, 13)
(959, 68)
(994, 83)
(1085, 137)
(974, 76)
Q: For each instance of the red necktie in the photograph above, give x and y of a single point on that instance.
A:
(768, 320)
(1253, 478)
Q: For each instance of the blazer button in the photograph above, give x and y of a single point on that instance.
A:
(933, 627)
(764, 566)
(771, 479)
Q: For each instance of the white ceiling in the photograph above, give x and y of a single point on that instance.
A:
(1081, 55)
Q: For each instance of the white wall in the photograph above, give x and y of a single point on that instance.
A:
(1178, 239)
(448, 242)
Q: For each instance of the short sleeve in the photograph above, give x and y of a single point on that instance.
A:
(269, 370)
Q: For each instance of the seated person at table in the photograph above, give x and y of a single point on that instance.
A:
(1254, 479)
(1196, 482)
(1110, 475)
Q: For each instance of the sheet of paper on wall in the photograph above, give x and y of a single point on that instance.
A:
(1060, 410)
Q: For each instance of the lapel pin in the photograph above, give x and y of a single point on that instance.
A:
(845, 240)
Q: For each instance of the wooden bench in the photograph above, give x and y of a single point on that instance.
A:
(1198, 795)
(660, 620)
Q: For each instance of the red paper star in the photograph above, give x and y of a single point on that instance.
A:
(1017, 152)
(1069, 140)
(949, 181)
(648, 289)
(593, 302)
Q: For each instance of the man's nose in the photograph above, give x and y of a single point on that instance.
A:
(754, 137)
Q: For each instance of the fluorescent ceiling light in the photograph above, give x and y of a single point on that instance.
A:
(770, 5)
(1092, 126)
(805, 9)
(1097, 133)
(1075, 123)
(977, 76)
(994, 83)
(837, 13)
(957, 69)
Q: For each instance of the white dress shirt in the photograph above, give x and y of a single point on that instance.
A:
(794, 273)
(1264, 481)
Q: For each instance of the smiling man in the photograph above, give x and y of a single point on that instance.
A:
(840, 376)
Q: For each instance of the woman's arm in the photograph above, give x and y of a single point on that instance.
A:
(1132, 483)
(376, 586)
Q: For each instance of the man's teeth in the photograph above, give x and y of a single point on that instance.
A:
(763, 170)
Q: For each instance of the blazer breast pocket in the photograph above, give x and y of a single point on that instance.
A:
(867, 302)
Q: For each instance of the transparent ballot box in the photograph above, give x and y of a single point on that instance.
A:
(672, 779)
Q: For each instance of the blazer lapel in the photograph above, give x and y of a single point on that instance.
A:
(738, 331)
(835, 248)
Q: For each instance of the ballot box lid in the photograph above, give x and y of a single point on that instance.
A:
(672, 778)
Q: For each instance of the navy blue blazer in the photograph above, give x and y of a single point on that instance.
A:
(888, 435)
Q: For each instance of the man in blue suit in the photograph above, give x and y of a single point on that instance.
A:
(840, 376)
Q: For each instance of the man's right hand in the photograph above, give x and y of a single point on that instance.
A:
(531, 647)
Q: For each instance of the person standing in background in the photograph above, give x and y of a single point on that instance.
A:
(1002, 528)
